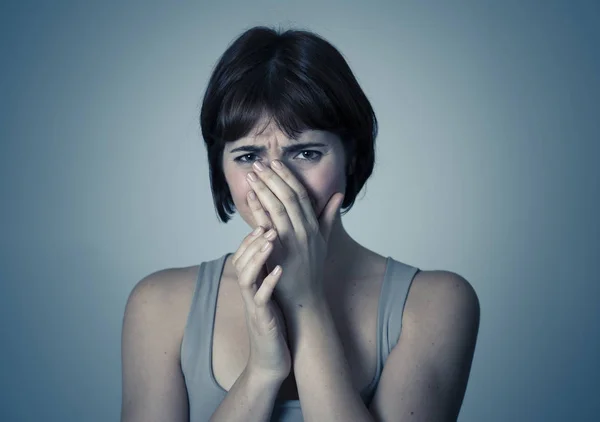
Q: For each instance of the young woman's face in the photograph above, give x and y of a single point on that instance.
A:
(316, 159)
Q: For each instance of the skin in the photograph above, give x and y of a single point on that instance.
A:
(426, 373)
(432, 360)
(320, 169)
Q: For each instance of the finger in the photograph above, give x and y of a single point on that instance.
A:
(261, 218)
(309, 217)
(286, 194)
(254, 247)
(264, 294)
(258, 212)
(272, 204)
(245, 243)
(329, 215)
(248, 275)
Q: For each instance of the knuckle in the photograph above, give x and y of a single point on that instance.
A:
(279, 210)
(303, 194)
(290, 195)
(255, 260)
(255, 206)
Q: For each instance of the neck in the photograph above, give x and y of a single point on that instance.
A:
(342, 249)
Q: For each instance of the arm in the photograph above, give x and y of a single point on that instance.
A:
(153, 384)
(251, 398)
(426, 374)
(322, 372)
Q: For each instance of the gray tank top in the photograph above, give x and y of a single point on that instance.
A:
(205, 394)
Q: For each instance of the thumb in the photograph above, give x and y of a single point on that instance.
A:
(329, 213)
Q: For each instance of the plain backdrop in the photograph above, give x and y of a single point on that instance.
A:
(486, 166)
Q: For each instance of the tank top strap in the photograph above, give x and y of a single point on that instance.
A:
(394, 291)
(196, 345)
(204, 395)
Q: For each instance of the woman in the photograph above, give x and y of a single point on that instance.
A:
(301, 322)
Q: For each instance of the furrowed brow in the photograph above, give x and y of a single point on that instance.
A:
(287, 149)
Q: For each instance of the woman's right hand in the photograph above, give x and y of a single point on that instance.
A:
(269, 352)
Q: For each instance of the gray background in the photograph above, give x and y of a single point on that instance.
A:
(487, 166)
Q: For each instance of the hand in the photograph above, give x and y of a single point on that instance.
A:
(269, 352)
(301, 245)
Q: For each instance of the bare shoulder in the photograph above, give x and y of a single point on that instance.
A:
(429, 367)
(441, 324)
(168, 284)
(443, 303)
(153, 326)
(166, 293)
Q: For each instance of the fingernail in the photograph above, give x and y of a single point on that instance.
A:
(252, 176)
(257, 231)
(277, 164)
(270, 234)
(252, 195)
(258, 165)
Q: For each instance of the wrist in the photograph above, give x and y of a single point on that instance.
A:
(306, 319)
(259, 378)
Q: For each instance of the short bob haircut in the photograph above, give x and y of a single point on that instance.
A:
(299, 80)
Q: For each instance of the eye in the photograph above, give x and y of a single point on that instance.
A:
(242, 158)
(306, 155)
(310, 155)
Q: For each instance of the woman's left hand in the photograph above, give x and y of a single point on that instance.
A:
(302, 238)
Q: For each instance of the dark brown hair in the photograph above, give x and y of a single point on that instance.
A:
(300, 81)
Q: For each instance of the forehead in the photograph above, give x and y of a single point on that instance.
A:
(273, 135)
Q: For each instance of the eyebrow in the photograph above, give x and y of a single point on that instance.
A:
(291, 148)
